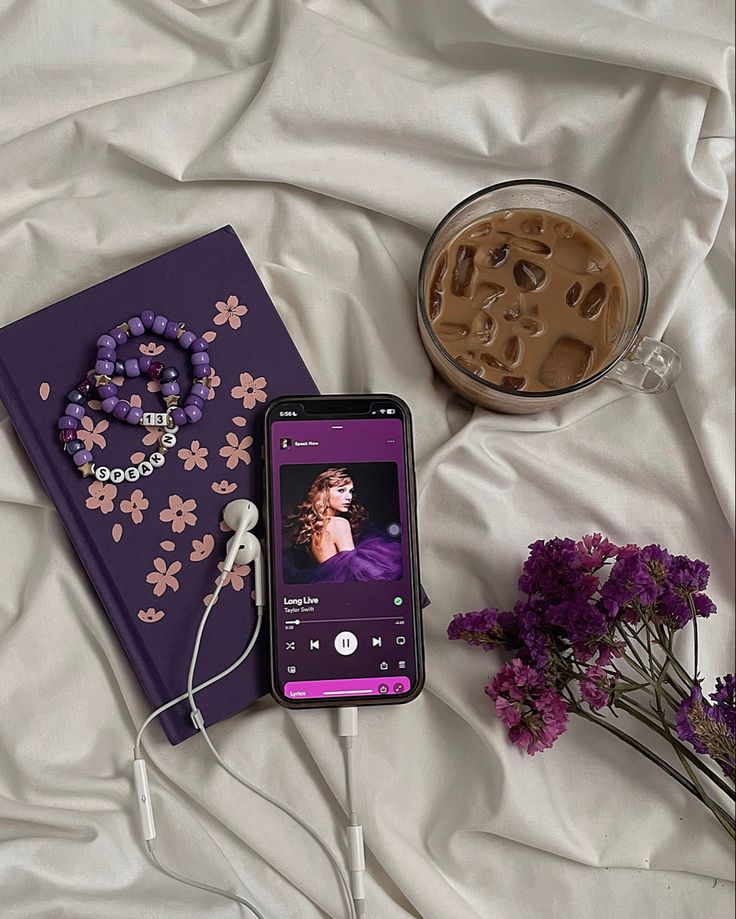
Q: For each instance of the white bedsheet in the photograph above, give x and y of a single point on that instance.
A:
(333, 135)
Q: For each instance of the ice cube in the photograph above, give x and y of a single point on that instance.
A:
(594, 301)
(471, 364)
(614, 315)
(573, 293)
(485, 229)
(484, 328)
(532, 326)
(435, 294)
(452, 331)
(513, 351)
(573, 253)
(515, 383)
(532, 245)
(493, 362)
(497, 257)
(528, 275)
(567, 363)
(492, 293)
(462, 272)
(514, 312)
(563, 229)
(532, 226)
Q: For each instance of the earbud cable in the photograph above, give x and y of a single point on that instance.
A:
(199, 722)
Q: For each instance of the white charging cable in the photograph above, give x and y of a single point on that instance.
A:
(347, 729)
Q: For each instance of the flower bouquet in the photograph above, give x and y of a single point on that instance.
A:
(594, 637)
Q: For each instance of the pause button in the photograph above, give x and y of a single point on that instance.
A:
(345, 643)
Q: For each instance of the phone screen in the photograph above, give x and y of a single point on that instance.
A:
(344, 581)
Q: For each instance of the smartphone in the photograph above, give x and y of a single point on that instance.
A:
(344, 597)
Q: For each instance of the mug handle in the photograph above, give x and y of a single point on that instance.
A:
(649, 366)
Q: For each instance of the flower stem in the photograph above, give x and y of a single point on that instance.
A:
(633, 708)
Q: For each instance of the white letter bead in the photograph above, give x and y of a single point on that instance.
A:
(156, 460)
(154, 419)
(172, 428)
(132, 474)
(117, 476)
(168, 440)
(102, 473)
(145, 468)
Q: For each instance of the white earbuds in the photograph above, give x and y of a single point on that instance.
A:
(243, 547)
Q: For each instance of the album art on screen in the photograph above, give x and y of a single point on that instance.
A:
(340, 522)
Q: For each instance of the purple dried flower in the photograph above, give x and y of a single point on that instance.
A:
(579, 619)
(534, 713)
(597, 687)
(710, 728)
(553, 572)
(629, 584)
(681, 592)
(724, 701)
(478, 628)
(594, 550)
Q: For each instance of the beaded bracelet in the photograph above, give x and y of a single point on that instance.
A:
(100, 379)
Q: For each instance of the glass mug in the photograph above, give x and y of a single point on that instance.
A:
(640, 363)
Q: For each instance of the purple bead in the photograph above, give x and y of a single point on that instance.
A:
(171, 329)
(66, 435)
(74, 445)
(135, 324)
(200, 344)
(74, 411)
(119, 336)
(144, 363)
(106, 341)
(195, 400)
(121, 409)
(76, 397)
(85, 388)
(186, 340)
(107, 390)
(159, 325)
(147, 317)
(155, 369)
(193, 413)
(169, 375)
(199, 389)
(132, 368)
(106, 367)
(178, 416)
(109, 404)
(134, 415)
(107, 354)
(82, 457)
(200, 357)
(170, 389)
(119, 369)
(66, 421)
(203, 370)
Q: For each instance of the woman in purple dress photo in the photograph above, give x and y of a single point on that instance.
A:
(332, 539)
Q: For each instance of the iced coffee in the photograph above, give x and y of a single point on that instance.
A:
(528, 300)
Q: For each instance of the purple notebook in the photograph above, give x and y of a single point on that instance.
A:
(151, 547)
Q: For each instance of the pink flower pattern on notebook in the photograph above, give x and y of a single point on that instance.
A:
(163, 576)
(202, 548)
(236, 450)
(180, 513)
(250, 391)
(91, 434)
(223, 487)
(135, 506)
(102, 497)
(151, 614)
(194, 456)
(229, 311)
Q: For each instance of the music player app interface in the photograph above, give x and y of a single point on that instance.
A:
(344, 622)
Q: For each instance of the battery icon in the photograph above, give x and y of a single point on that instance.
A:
(390, 411)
